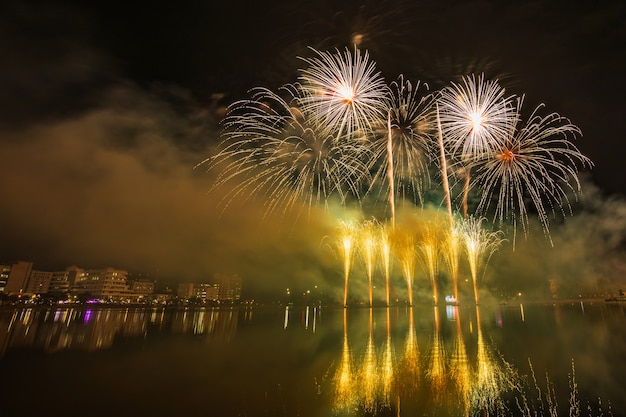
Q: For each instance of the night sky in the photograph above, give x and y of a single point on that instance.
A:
(106, 108)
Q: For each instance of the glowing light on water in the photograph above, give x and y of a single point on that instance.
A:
(344, 389)
(459, 364)
(306, 318)
(368, 375)
(387, 365)
(436, 373)
(456, 384)
(409, 370)
(286, 321)
(493, 377)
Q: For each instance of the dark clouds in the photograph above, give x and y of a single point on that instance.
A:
(105, 110)
(49, 67)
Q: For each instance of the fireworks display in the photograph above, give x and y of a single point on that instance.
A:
(341, 134)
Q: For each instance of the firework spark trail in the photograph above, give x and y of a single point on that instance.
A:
(480, 244)
(390, 175)
(344, 92)
(269, 148)
(429, 255)
(537, 161)
(345, 244)
(404, 247)
(444, 168)
(451, 252)
(385, 249)
(367, 244)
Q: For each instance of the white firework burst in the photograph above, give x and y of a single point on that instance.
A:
(475, 116)
(344, 92)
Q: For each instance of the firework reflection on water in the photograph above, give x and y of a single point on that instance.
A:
(445, 378)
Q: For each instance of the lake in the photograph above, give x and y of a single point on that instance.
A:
(524, 359)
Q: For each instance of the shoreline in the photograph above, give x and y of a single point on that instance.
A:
(490, 303)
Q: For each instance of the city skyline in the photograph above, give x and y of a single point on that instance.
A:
(21, 281)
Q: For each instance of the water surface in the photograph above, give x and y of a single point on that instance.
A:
(541, 359)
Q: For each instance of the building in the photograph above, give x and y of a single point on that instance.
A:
(142, 288)
(4, 277)
(207, 292)
(104, 284)
(18, 278)
(38, 282)
(229, 287)
(224, 288)
(59, 283)
(73, 273)
(62, 282)
(201, 291)
(185, 290)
